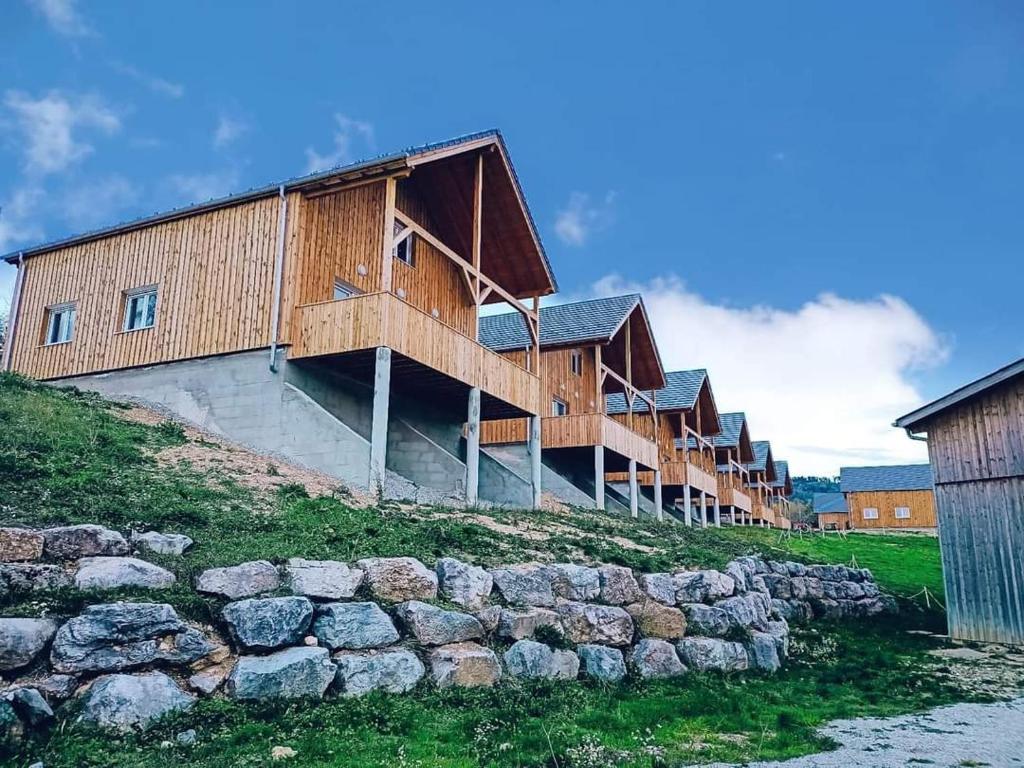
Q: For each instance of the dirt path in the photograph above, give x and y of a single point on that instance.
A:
(949, 737)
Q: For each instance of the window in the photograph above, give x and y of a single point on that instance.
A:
(576, 362)
(140, 309)
(870, 513)
(343, 290)
(60, 324)
(559, 407)
(404, 251)
(902, 513)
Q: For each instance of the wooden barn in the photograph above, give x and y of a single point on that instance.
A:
(976, 448)
(733, 451)
(897, 496)
(831, 511)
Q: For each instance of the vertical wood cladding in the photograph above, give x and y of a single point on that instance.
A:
(920, 503)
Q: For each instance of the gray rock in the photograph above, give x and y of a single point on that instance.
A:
(602, 624)
(708, 653)
(464, 665)
(431, 625)
(237, 581)
(24, 578)
(530, 659)
(12, 730)
(208, 680)
(601, 662)
(22, 640)
(70, 542)
(796, 569)
(528, 584)
(464, 584)
(162, 543)
(394, 579)
(116, 636)
(662, 587)
(353, 626)
(30, 706)
(775, 567)
(565, 665)
(826, 608)
(743, 611)
(755, 565)
(653, 619)
(520, 623)
(827, 572)
(780, 631)
(758, 584)
(20, 544)
(56, 688)
(778, 586)
(654, 659)
(575, 582)
(850, 590)
(706, 620)
(187, 738)
(703, 586)
(118, 572)
(763, 652)
(124, 702)
(392, 671)
(294, 673)
(870, 589)
(322, 579)
(740, 578)
(618, 585)
(489, 618)
(263, 624)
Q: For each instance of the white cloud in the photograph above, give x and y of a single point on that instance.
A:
(17, 218)
(200, 187)
(152, 82)
(99, 203)
(350, 136)
(63, 17)
(228, 129)
(581, 218)
(50, 125)
(823, 382)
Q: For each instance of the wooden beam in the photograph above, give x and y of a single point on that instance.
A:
(390, 191)
(478, 182)
(599, 400)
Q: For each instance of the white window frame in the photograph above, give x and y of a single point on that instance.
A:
(409, 259)
(558, 404)
(902, 513)
(869, 513)
(345, 289)
(576, 362)
(66, 331)
(132, 296)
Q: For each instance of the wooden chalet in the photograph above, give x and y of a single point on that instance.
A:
(589, 351)
(897, 496)
(733, 451)
(782, 489)
(975, 440)
(831, 512)
(762, 475)
(375, 271)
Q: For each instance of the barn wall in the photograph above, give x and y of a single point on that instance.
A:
(921, 503)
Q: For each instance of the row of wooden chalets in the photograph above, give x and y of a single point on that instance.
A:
(339, 320)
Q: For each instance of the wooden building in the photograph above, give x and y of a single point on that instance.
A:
(589, 350)
(976, 448)
(762, 475)
(782, 489)
(733, 451)
(373, 272)
(831, 511)
(897, 496)
(687, 417)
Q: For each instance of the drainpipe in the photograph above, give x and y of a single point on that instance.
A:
(912, 436)
(275, 318)
(12, 323)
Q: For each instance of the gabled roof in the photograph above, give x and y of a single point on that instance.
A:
(683, 391)
(782, 478)
(763, 461)
(902, 477)
(914, 421)
(829, 503)
(735, 435)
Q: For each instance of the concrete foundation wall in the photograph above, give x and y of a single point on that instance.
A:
(501, 484)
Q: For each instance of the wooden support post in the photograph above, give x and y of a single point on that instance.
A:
(657, 495)
(379, 425)
(473, 448)
(535, 466)
(634, 491)
(718, 514)
(390, 191)
(703, 510)
(687, 504)
(599, 381)
(478, 186)
(599, 477)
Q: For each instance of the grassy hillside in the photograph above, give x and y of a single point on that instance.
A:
(70, 457)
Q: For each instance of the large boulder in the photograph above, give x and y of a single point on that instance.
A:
(706, 620)
(162, 543)
(741, 579)
(653, 659)
(779, 586)
(618, 585)
(263, 624)
(118, 572)
(18, 544)
(294, 673)
(589, 623)
(322, 579)
(793, 611)
(662, 587)
(464, 665)
(22, 640)
(392, 671)
(780, 631)
(124, 702)
(527, 658)
(116, 636)
(353, 626)
(763, 652)
(70, 542)
(29, 705)
(431, 625)
(25, 578)
(56, 688)
(575, 582)
(528, 584)
(601, 662)
(394, 579)
(520, 623)
(464, 584)
(237, 581)
(703, 586)
(708, 653)
(653, 619)
(743, 611)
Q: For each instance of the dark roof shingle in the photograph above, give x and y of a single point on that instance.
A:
(594, 320)
(826, 503)
(761, 450)
(900, 477)
(680, 392)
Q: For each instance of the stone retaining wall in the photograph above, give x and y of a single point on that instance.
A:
(311, 628)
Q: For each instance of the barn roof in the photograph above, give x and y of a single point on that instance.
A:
(829, 503)
(915, 420)
(900, 477)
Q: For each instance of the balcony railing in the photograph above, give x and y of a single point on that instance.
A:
(590, 429)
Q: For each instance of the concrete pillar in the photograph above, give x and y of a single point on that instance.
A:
(534, 450)
(634, 491)
(703, 510)
(657, 495)
(686, 505)
(473, 447)
(379, 426)
(599, 477)
(718, 514)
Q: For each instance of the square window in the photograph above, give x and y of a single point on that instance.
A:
(403, 250)
(140, 309)
(559, 407)
(60, 324)
(870, 513)
(902, 513)
(576, 362)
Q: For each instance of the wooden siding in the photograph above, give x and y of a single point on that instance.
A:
(383, 320)
(677, 473)
(214, 277)
(840, 520)
(590, 429)
(732, 497)
(921, 503)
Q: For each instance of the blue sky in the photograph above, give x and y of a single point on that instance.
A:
(775, 167)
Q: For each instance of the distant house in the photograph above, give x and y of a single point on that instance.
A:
(733, 451)
(831, 511)
(782, 489)
(897, 496)
(762, 475)
(976, 447)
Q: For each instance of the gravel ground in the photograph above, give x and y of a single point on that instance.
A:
(949, 737)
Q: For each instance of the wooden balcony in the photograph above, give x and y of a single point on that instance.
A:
(732, 497)
(365, 322)
(683, 473)
(592, 429)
